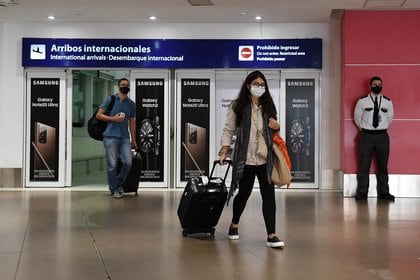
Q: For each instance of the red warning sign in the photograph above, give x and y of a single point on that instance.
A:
(246, 53)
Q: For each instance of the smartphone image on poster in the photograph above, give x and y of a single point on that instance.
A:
(44, 146)
(196, 143)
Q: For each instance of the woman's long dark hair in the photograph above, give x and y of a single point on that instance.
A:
(244, 98)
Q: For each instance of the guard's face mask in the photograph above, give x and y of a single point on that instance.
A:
(376, 89)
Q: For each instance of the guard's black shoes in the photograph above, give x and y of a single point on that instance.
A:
(386, 196)
(361, 196)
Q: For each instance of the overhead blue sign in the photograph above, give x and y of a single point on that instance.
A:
(172, 53)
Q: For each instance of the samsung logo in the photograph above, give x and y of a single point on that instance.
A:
(196, 83)
(45, 82)
(150, 83)
(300, 83)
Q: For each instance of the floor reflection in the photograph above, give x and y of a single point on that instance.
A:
(80, 234)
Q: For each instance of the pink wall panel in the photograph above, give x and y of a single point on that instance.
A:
(349, 153)
(386, 44)
(382, 37)
(399, 84)
(404, 148)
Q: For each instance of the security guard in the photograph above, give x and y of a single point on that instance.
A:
(373, 114)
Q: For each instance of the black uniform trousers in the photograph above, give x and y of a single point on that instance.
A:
(373, 142)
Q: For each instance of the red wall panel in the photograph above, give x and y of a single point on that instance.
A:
(382, 37)
(405, 148)
(349, 153)
(385, 44)
(400, 83)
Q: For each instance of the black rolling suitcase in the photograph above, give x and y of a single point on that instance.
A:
(131, 184)
(202, 203)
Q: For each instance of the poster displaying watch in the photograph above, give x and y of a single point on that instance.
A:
(300, 120)
(150, 128)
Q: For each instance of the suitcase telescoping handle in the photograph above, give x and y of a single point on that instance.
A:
(136, 153)
(216, 162)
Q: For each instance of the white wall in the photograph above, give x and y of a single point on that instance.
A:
(2, 107)
(11, 96)
(12, 82)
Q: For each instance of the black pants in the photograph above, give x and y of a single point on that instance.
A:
(368, 145)
(267, 194)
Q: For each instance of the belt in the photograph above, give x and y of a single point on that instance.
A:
(378, 131)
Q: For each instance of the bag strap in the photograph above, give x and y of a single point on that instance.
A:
(111, 105)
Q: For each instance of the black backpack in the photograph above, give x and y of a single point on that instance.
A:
(96, 127)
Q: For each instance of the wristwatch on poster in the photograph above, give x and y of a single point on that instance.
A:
(300, 141)
(149, 138)
(307, 128)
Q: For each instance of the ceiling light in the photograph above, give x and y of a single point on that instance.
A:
(152, 18)
(384, 3)
(243, 13)
(51, 17)
(200, 2)
(258, 18)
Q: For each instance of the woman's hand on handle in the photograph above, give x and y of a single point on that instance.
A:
(223, 154)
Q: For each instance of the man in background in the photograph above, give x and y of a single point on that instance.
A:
(373, 115)
(117, 142)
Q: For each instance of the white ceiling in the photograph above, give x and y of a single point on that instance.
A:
(181, 11)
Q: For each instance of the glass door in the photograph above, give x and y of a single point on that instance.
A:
(89, 89)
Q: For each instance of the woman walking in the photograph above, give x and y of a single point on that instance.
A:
(252, 119)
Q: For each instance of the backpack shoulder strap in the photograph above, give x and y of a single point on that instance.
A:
(111, 105)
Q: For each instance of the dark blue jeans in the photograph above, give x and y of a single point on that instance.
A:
(115, 149)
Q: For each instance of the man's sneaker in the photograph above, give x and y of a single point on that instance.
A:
(120, 190)
(117, 194)
(233, 233)
(274, 242)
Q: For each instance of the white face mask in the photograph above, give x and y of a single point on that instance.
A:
(257, 91)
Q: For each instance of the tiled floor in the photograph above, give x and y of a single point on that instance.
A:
(77, 234)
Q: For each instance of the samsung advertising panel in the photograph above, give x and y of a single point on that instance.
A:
(150, 100)
(44, 129)
(195, 123)
(300, 128)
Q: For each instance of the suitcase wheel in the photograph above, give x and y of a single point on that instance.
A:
(212, 231)
(185, 232)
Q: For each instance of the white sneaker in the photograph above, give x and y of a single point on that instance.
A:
(117, 194)
(120, 190)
